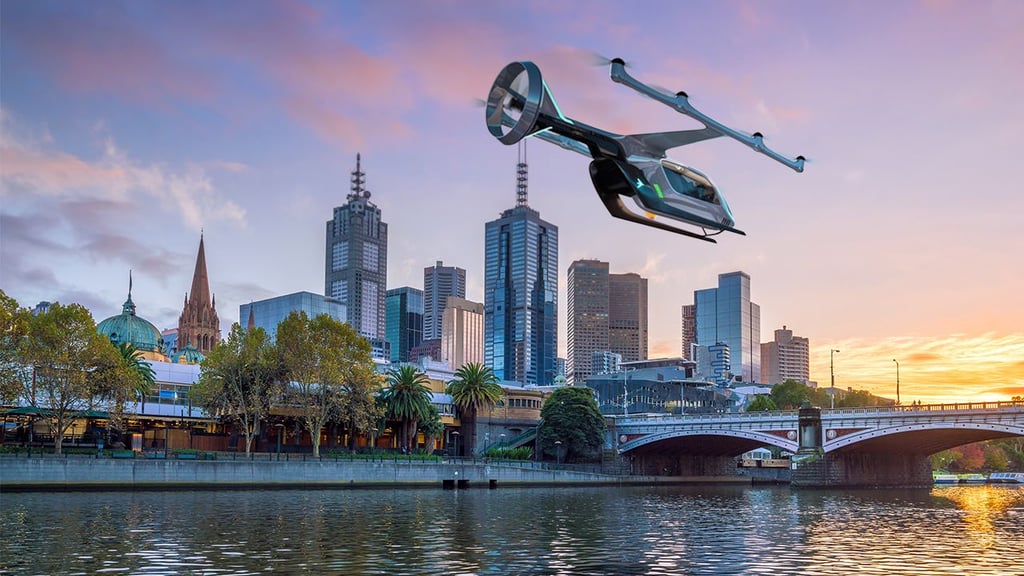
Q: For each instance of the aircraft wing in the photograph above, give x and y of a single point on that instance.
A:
(658, 142)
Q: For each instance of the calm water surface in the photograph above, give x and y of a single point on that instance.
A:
(571, 531)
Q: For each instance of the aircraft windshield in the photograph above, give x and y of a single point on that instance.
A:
(690, 182)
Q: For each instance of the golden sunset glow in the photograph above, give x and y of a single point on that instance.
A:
(954, 368)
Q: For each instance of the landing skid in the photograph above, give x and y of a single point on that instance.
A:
(613, 202)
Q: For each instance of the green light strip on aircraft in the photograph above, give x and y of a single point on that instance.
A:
(658, 190)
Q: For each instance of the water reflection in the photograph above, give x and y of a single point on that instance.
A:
(659, 531)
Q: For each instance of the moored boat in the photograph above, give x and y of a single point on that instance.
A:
(1006, 478)
(944, 478)
(971, 478)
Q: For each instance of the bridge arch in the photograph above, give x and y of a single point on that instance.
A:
(724, 442)
(924, 438)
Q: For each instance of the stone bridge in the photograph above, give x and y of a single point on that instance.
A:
(849, 446)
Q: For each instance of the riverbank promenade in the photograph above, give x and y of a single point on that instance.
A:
(82, 472)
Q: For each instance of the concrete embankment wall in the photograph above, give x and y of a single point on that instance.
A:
(54, 473)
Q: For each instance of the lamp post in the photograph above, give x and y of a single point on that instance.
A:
(455, 442)
(503, 442)
(558, 452)
(280, 429)
(832, 369)
(625, 391)
(897, 380)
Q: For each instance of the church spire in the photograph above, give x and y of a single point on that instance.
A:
(252, 319)
(200, 281)
(198, 324)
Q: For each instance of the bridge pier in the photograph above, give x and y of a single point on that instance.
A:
(863, 469)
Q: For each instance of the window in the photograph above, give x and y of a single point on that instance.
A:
(339, 256)
(371, 256)
(339, 291)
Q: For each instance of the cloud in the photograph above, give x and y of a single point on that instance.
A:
(29, 171)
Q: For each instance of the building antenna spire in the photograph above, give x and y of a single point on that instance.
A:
(521, 176)
(359, 181)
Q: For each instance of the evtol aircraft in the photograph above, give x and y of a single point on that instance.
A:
(632, 165)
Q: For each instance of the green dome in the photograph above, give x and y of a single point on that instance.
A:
(135, 330)
(189, 355)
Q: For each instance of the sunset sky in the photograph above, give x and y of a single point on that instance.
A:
(127, 128)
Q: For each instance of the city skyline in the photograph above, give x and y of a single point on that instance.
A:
(127, 132)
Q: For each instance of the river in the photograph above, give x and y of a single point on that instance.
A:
(537, 531)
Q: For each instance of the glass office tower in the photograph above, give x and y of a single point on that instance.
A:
(726, 314)
(521, 293)
(404, 321)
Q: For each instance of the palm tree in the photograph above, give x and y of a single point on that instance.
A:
(475, 387)
(407, 399)
(138, 381)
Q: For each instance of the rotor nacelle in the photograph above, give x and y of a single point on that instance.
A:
(518, 98)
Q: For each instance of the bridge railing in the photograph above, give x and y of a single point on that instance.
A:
(914, 408)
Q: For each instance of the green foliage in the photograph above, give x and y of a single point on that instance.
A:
(14, 322)
(762, 402)
(240, 378)
(790, 394)
(520, 453)
(475, 386)
(328, 365)
(69, 360)
(1005, 454)
(407, 399)
(571, 416)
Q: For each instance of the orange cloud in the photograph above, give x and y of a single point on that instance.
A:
(954, 368)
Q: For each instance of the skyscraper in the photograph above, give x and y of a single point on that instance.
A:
(726, 315)
(462, 333)
(627, 316)
(198, 324)
(439, 282)
(606, 313)
(356, 259)
(786, 358)
(587, 317)
(521, 292)
(404, 321)
(689, 332)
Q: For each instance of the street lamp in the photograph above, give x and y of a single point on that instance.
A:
(455, 442)
(832, 369)
(280, 428)
(897, 380)
(558, 452)
(502, 441)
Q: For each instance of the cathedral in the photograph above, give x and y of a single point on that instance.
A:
(198, 324)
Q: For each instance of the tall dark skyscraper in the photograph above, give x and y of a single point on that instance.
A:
(439, 282)
(627, 316)
(356, 270)
(404, 321)
(521, 292)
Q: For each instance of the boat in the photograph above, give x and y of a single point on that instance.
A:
(971, 478)
(1006, 478)
(944, 478)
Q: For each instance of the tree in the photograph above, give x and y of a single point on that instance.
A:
(67, 357)
(432, 427)
(359, 411)
(239, 379)
(790, 394)
(321, 357)
(762, 402)
(131, 377)
(407, 399)
(571, 416)
(14, 322)
(475, 386)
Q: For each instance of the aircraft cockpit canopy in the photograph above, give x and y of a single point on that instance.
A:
(690, 182)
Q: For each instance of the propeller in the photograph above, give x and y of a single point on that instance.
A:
(600, 60)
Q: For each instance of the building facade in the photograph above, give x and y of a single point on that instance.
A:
(713, 363)
(268, 313)
(356, 255)
(462, 333)
(521, 293)
(726, 315)
(785, 358)
(627, 316)
(404, 321)
(587, 317)
(439, 283)
(689, 332)
(198, 325)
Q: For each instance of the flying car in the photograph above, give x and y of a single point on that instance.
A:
(632, 165)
